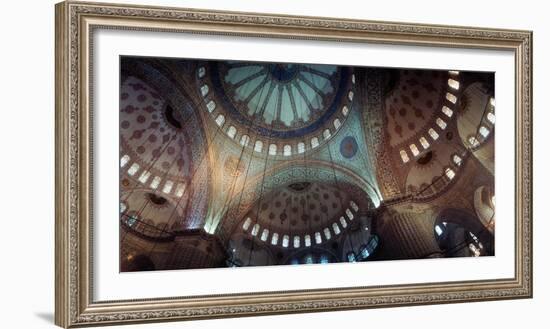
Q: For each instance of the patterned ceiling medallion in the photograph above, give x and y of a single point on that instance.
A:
(299, 187)
(425, 158)
(156, 199)
(348, 147)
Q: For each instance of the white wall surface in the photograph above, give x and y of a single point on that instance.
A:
(27, 166)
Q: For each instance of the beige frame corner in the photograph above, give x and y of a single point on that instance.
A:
(75, 21)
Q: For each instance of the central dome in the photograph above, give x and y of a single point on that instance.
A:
(281, 100)
(280, 96)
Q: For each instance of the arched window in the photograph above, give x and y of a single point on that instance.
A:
(457, 159)
(337, 123)
(441, 123)
(323, 259)
(404, 156)
(351, 257)
(124, 160)
(231, 132)
(491, 117)
(349, 214)
(450, 173)
(373, 242)
(220, 119)
(448, 112)
(301, 147)
(285, 241)
(122, 207)
(414, 149)
(364, 252)
(345, 111)
(296, 243)
(204, 90)
(133, 169)
(433, 134)
(131, 220)
(202, 71)
(274, 239)
(307, 240)
(451, 98)
(492, 101)
(343, 222)
(211, 106)
(265, 234)
(326, 133)
(475, 246)
(144, 176)
(424, 142)
(308, 259)
(258, 146)
(326, 231)
(473, 141)
(438, 230)
(354, 206)
(314, 142)
(318, 239)
(180, 189)
(168, 186)
(335, 228)
(454, 84)
(156, 182)
(255, 229)
(245, 140)
(476, 252)
(272, 149)
(484, 131)
(287, 150)
(350, 95)
(247, 223)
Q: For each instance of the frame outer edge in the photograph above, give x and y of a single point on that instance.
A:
(72, 307)
(529, 178)
(62, 201)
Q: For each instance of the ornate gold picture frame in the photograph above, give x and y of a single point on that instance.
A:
(76, 130)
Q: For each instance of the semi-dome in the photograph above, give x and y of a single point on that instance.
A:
(304, 213)
(155, 147)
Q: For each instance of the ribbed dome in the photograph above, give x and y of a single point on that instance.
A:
(281, 100)
(281, 95)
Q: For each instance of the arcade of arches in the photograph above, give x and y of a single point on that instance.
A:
(228, 164)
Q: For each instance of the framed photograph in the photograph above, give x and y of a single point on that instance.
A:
(218, 164)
